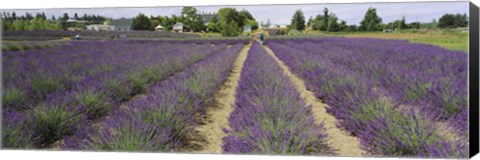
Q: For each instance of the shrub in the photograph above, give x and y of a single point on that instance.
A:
(96, 104)
(43, 85)
(51, 123)
(13, 98)
(16, 133)
(119, 90)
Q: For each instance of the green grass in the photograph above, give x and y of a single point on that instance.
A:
(453, 40)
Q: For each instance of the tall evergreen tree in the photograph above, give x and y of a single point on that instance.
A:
(298, 20)
(371, 21)
(65, 17)
(141, 22)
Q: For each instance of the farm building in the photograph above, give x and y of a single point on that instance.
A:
(247, 28)
(100, 27)
(178, 27)
(122, 24)
(159, 28)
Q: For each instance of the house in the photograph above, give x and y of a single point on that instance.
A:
(76, 21)
(100, 27)
(122, 24)
(159, 28)
(247, 28)
(178, 27)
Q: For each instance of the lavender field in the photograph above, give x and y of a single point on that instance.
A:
(299, 96)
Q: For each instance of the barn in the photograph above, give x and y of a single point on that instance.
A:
(178, 27)
(122, 24)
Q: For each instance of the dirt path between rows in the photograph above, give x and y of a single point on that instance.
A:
(339, 140)
(216, 116)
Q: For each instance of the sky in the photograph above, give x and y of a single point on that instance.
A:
(281, 14)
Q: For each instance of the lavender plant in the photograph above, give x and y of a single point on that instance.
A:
(269, 115)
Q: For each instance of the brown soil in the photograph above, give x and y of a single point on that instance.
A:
(338, 139)
(207, 137)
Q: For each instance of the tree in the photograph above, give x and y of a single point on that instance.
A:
(65, 17)
(298, 21)
(310, 22)
(43, 16)
(453, 21)
(53, 18)
(246, 15)
(319, 23)
(14, 16)
(343, 25)
(192, 20)
(400, 24)
(229, 22)
(4, 24)
(324, 25)
(252, 23)
(189, 11)
(108, 21)
(141, 22)
(58, 26)
(268, 24)
(371, 21)
(213, 25)
(18, 25)
(75, 16)
(332, 23)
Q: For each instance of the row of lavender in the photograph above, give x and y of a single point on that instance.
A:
(432, 79)
(26, 45)
(106, 34)
(162, 120)
(30, 76)
(269, 115)
(353, 87)
(58, 112)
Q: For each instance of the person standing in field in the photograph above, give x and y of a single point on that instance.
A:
(261, 38)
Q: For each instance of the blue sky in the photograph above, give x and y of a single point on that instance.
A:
(281, 14)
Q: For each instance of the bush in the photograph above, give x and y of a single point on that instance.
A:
(119, 90)
(13, 98)
(51, 123)
(96, 104)
(16, 133)
(42, 85)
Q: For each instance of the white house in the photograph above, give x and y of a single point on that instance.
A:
(159, 28)
(122, 24)
(247, 28)
(178, 27)
(100, 27)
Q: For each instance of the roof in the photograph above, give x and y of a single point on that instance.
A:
(207, 17)
(122, 22)
(158, 27)
(74, 20)
(99, 25)
(178, 25)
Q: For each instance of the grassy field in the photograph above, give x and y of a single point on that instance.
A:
(447, 39)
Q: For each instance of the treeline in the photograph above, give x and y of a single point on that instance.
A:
(13, 22)
(227, 21)
(328, 21)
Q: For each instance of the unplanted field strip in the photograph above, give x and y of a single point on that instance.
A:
(218, 115)
(344, 144)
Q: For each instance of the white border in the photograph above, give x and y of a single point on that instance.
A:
(32, 4)
(75, 155)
